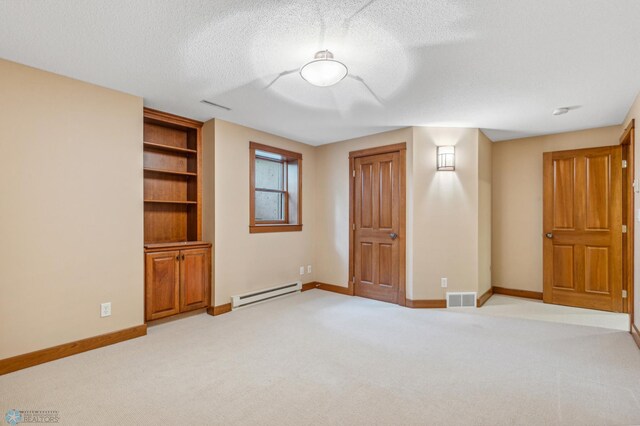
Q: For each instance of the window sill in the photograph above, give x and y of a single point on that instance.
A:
(261, 229)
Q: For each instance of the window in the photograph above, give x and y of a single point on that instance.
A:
(275, 189)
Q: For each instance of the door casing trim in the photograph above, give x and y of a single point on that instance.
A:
(627, 140)
(400, 148)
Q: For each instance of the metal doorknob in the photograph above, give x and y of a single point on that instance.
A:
(393, 235)
(548, 235)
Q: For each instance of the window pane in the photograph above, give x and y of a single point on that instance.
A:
(268, 155)
(269, 206)
(269, 174)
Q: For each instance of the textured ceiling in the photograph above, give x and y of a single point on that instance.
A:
(500, 65)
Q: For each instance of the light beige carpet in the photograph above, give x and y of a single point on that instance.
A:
(324, 358)
(516, 307)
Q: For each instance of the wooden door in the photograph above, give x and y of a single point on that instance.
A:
(162, 281)
(195, 279)
(377, 226)
(582, 247)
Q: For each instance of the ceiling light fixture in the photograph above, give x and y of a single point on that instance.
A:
(323, 71)
(561, 111)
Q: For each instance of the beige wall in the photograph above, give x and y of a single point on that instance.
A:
(331, 192)
(71, 215)
(442, 210)
(244, 261)
(208, 190)
(485, 148)
(71, 218)
(517, 202)
(634, 113)
(445, 214)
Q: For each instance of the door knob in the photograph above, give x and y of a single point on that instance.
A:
(548, 235)
(393, 235)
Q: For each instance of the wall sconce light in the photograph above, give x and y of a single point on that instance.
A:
(446, 158)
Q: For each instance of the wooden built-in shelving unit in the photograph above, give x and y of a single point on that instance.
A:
(177, 263)
(172, 178)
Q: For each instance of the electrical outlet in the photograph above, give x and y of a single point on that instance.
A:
(308, 269)
(443, 282)
(105, 309)
(302, 270)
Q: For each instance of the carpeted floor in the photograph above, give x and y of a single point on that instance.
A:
(516, 307)
(324, 358)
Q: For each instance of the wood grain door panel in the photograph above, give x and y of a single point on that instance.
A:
(597, 265)
(194, 279)
(385, 265)
(385, 217)
(365, 207)
(582, 246)
(597, 194)
(563, 193)
(162, 284)
(365, 263)
(376, 204)
(564, 261)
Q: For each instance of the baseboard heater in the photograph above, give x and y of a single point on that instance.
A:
(264, 295)
(462, 299)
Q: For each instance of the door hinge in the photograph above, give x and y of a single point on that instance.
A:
(353, 279)
(624, 164)
(624, 229)
(353, 226)
(624, 294)
(354, 172)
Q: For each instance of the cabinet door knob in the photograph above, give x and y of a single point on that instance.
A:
(183, 257)
(178, 257)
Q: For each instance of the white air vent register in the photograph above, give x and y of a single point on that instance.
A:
(461, 300)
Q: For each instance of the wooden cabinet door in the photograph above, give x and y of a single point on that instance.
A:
(195, 279)
(162, 282)
(377, 227)
(583, 228)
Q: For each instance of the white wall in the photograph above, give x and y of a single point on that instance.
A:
(71, 209)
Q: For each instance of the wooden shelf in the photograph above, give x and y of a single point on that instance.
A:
(152, 145)
(170, 172)
(170, 202)
(177, 244)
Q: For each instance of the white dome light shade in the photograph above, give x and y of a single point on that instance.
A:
(324, 71)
